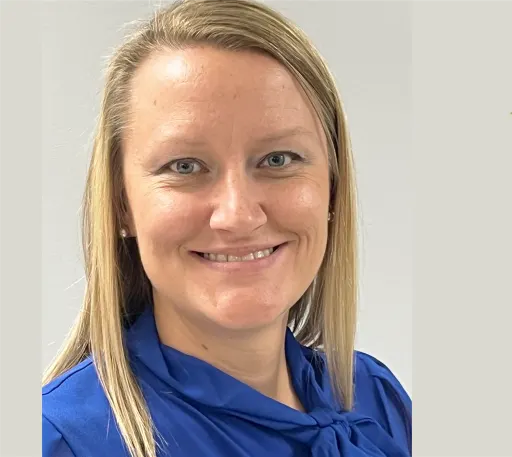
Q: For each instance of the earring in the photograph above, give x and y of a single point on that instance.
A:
(330, 216)
(123, 233)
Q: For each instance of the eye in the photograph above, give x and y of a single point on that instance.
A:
(185, 166)
(279, 159)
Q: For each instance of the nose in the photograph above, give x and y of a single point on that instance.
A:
(237, 205)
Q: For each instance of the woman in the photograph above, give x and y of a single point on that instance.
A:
(220, 244)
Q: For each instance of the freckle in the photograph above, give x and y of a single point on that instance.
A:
(154, 102)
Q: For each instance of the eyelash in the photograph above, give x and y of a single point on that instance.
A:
(292, 155)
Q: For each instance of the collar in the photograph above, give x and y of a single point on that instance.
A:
(326, 430)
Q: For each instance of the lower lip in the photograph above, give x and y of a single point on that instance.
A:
(247, 266)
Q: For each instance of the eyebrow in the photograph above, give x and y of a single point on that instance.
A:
(269, 138)
(286, 133)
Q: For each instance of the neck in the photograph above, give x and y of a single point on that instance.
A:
(256, 357)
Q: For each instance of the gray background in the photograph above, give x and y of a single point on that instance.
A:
(368, 47)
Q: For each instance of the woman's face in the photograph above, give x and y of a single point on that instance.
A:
(226, 174)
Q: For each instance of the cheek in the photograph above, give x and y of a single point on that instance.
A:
(303, 211)
(163, 220)
(303, 204)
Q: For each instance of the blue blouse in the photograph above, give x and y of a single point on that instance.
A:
(201, 411)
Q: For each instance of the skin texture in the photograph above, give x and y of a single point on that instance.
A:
(238, 188)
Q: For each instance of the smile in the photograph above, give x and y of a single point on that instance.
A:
(226, 257)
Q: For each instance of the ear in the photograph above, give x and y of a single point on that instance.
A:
(129, 225)
(126, 216)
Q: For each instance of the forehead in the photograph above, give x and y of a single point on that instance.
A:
(222, 95)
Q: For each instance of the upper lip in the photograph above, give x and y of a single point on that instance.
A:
(240, 250)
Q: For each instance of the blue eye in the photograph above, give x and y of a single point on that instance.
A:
(280, 159)
(185, 166)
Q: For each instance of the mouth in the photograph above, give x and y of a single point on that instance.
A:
(250, 257)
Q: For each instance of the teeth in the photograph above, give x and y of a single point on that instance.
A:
(233, 258)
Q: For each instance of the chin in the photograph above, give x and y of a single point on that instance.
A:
(234, 316)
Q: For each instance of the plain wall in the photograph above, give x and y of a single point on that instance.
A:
(368, 48)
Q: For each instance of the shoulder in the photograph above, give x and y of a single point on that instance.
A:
(74, 409)
(78, 388)
(370, 371)
(380, 395)
(54, 444)
(70, 380)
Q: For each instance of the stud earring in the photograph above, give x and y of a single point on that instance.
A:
(123, 233)
(330, 216)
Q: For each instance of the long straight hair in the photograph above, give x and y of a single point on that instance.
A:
(117, 287)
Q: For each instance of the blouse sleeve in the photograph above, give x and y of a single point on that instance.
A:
(380, 395)
(54, 444)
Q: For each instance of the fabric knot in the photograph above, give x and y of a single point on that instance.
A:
(323, 417)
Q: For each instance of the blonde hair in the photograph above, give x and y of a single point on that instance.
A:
(117, 287)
